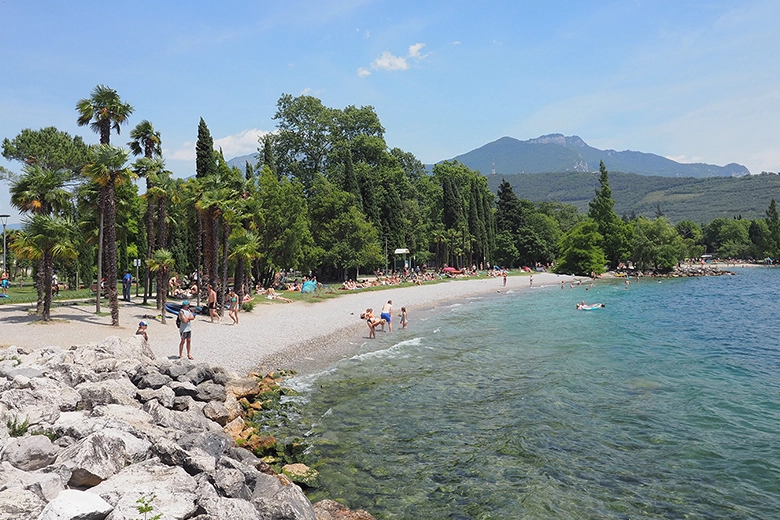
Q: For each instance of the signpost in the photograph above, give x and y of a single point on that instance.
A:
(137, 264)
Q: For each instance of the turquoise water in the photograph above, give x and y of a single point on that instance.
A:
(663, 404)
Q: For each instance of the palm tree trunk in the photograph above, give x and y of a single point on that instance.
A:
(150, 245)
(109, 237)
(101, 206)
(39, 283)
(238, 279)
(48, 266)
(199, 253)
(226, 236)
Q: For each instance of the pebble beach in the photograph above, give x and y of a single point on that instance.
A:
(275, 335)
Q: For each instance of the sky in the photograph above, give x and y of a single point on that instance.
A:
(694, 81)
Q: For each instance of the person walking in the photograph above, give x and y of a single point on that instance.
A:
(127, 283)
(186, 318)
(233, 312)
(212, 303)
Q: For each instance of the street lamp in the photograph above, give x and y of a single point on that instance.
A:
(4, 220)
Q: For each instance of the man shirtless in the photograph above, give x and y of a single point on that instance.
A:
(387, 315)
(212, 303)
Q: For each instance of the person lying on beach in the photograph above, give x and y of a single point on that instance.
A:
(271, 295)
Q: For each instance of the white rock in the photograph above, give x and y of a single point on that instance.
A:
(72, 504)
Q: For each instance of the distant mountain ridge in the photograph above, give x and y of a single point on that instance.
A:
(557, 153)
(240, 161)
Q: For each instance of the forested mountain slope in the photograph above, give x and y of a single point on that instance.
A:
(700, 200)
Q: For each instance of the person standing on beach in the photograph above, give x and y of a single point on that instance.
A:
(127, 282)
(387, 315)
(531, 281)
(233, 312)
(185, 328)
(212, 303)
(404, 320)
(504, 275)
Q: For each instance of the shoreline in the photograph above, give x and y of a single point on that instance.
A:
(301, 336)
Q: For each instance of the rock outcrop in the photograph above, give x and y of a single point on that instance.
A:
(87, 432)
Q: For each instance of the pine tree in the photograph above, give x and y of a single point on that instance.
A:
(616, 233)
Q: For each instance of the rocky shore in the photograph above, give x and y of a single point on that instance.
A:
(107, 431)
(679, 271)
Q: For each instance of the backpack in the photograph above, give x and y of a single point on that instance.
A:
(178, 320)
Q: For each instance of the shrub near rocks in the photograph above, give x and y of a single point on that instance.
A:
(126, 426)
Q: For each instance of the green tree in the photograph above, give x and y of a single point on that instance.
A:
(146, 141)
(109, 170)
(581, 252)
(45, 238)
(615, 233)
(103, 111)
(161, 263)
(734, 239)
(656, 244)
(48, 148)
(205, 159)
(304, 138)
(773, 223)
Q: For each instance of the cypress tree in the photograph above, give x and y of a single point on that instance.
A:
(205, 162)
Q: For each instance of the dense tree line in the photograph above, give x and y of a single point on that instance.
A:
(328, 196)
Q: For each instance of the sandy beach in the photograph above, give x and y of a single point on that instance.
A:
(275, 335)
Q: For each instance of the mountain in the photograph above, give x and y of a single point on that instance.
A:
(556, 153)
(701, 200)
(240, 161)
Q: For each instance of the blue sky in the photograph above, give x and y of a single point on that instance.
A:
(695, 81)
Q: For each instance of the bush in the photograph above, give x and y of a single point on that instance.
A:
(16, 429)
(247, 306)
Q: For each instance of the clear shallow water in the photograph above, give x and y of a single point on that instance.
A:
(664, 404)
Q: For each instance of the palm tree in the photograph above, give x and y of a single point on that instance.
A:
(103, 111)
(108, 170)
(45, 238)
(245, 247)
(159, 195)
(161, 262)
(149, 168)
(40, 191)
(146, 140)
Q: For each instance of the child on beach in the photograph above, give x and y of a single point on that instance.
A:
(142, 330)
(403, 317)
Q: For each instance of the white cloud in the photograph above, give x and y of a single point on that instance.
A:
(305, 92)
(414, 51)
(242, 143)
(456, 42)
(185, 153)
(388, 61)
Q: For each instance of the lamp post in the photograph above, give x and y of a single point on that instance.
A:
(4, 220)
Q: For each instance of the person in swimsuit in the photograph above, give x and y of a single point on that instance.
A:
(387, 315)
(233, 312)
(372, 322)
(212, 303)
(404, 320)
(185, 329)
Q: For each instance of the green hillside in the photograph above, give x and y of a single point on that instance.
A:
(700, 200)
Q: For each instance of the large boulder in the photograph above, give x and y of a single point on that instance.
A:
(209, 391)
(219, 508)
(30, 453)
(72, 504)
(101, 455)
(109, 391)
(217, 412)
(172, 487)
(20, 504)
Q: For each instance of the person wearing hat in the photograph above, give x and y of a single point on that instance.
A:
(185, 328)
(142, 330)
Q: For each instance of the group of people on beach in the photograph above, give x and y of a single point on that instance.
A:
(385, 317)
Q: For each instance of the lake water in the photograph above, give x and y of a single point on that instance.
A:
(663, 404)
